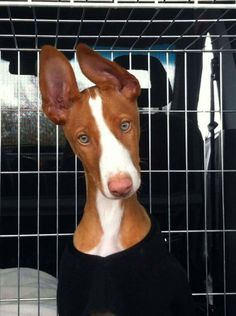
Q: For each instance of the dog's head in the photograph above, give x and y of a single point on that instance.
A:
(101, 123)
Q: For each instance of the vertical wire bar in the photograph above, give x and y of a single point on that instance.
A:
(35, 28)
(57, 165)
(38, 187)
(130, 60)
(222, 181)
(57, 199)
(206, 224)
(186, 155)
(18, 181)
(38, 163)
(205, 220)
(206, 229)
(112, 57)
(149, 139)
(76, 176)
(76, 190)
(0, 145)
(168, 149)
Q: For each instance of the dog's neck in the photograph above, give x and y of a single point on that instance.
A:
(110, 225)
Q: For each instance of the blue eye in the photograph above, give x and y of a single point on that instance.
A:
(125, 126)
(83, 139)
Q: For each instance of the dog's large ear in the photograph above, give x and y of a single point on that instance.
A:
(105, 73)
(57, 84)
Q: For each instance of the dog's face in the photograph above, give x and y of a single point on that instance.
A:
(107, 140)
(101, 123)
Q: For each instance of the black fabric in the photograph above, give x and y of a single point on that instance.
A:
(142, 280)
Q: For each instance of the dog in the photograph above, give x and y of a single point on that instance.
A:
(117, 263)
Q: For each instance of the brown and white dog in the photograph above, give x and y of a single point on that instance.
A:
(102, 127)
(136, 275)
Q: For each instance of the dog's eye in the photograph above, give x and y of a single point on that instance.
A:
(125, 126)
(83, 139)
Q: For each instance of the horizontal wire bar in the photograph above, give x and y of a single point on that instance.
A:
(121, 4)
(194, 36)
(41, 299)
(41, 20)
(36, 235)
(142, 110)
(48, 299)
(214, 293)
(142, 171)
(225, 50)
(179, 231)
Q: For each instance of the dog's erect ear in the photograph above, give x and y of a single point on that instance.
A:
(105, 73)
(57, 84)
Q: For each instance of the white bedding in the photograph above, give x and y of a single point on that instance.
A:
(27, 292)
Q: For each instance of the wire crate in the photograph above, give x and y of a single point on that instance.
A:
(184, 54)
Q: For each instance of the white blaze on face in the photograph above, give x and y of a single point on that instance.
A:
(115, 158)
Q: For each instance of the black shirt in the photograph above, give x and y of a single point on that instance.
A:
(144, 280)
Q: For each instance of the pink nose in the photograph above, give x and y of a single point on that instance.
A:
(120, 186)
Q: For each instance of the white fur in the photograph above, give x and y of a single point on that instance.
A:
(110, 214)
(115, 159)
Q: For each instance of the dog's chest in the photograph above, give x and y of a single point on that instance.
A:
(110, 215)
